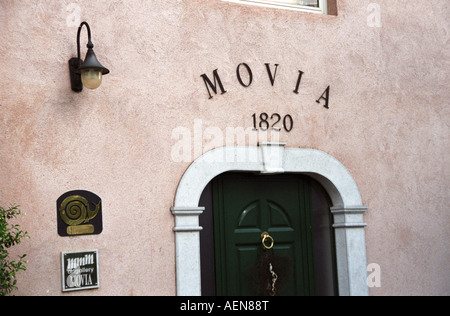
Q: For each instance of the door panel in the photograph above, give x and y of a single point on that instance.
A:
(244, 207)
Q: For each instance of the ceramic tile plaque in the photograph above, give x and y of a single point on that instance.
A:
(79, 213)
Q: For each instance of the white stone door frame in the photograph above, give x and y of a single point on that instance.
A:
(273, 158)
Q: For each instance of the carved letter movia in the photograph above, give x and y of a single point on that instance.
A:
(244, 70)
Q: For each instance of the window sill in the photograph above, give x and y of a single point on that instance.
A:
(328, 7)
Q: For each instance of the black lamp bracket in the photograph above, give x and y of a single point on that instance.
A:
(75, 63)
(89, 44)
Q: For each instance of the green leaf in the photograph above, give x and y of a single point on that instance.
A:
(10, 235)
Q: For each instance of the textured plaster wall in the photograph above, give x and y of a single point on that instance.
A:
(388, 123)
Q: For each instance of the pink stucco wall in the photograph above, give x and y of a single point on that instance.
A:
(388, 123)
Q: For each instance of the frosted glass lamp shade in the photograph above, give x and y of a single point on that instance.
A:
(91, 78)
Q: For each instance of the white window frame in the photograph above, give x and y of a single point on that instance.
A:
(322, 9)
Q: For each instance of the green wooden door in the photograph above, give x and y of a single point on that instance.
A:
(246, 206)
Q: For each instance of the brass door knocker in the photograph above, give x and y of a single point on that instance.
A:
(267, 241)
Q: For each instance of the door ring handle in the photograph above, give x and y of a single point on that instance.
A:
(267, 241)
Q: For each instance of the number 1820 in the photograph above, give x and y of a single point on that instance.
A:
(275, 122)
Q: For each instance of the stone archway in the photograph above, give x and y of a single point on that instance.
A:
(273, 158)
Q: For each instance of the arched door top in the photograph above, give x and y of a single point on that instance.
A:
(269, 158)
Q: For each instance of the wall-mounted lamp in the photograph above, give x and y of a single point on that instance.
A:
(88, 73)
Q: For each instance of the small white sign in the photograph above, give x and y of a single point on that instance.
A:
(79, 270)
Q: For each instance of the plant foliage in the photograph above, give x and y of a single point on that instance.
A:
(10, 235)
